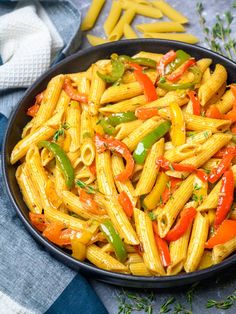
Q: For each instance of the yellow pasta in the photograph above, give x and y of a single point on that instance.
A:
(112, 17)
(129, 33)
(221, 251)
(170, 12)
(118, 30)
(92, 14)
(149, 172)
(73, 122)
(160, 27)
(197, 242)
(187, 38)
(142, 9)
(95, 40)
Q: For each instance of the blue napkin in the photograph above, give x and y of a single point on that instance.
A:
(31, 280)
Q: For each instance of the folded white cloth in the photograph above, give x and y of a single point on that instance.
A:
(28, 42)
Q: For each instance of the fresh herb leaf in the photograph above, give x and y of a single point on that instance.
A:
(162, 79)
(190, 294)
(129, 302)
(89, 189)
(205, 135)
(165, 306)
(171, 167)
(152, 215)
(223, 305)
(196, 187)
(60, 131)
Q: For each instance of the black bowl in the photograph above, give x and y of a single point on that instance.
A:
(80, 62)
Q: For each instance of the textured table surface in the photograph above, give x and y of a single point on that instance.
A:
(224, 284)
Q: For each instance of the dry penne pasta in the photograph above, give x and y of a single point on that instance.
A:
(112, 17)
(92, 14)
(160, 27)
(117, 160)
(170, 12)
(187, 38)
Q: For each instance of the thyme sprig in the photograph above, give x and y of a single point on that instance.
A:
(223, 305)
(219, 36)
(129, 302)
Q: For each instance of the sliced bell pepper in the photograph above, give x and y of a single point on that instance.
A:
(225, 150)
(189, 85)
(186, 218)
(181, 57)
(178, 133)
(146, 113)
(62, 160)
(107, 127)
(195, 103)
(143, 147)
(147, 62)
(172, 186)
(73, 93)
(225, 232)
(219, 170)
(167, 165)
(226, 196)
(145, 82)
(89, 203)
(126, 203)
(175, 76)
(166, 59)
(38, 221)
(112, 144)
(32, 111)
(115, 240)
(117, 72)
(214, 113)
(53, 232)
(121, 117)
(202, 175)
(162, 247)
(92, 168)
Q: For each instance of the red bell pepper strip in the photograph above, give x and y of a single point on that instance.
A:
(162, 247)
(34, 109)
(38, 221)
(89, 203)
(117, 146)
(92, 168)
(174, 184)
(175, 76)
(167, 165)
(225, 232)
(126, 203)
(219, 170)
(166, 59)
(233, 129)
(225, 150)
(53, 232)
(73, 93)
(195, 102)
(226, 197)
(214, 113)
(186, 219)
(201, 174)
(67, 235)
(146, 113)
(145, 82)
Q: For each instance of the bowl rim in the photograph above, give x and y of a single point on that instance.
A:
(55, 250)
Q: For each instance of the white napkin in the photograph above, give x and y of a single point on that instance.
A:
(28, 42)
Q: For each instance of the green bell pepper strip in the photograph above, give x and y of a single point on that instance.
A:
(181, 57)
(121, 117)
(107, 127)
(143, 147)
(113, 120)
(117, 72)
(189, 85)
(147, 62)
(113, 237)
(62, 160)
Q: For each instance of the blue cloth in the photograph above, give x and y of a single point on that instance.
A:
(28, 274)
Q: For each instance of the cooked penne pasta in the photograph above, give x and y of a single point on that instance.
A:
(221, 251)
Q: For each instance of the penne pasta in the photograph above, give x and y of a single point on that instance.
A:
(129, 33)
(187, 38)
(112, 17)
(92, 14)
(118, 30)
(160, 27)
(170, 12)
(95, 40)
(142, 9)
